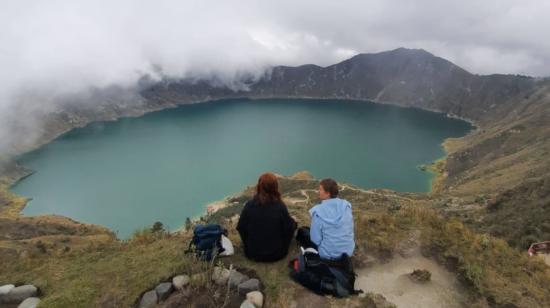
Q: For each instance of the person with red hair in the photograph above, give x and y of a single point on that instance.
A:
(265, 226)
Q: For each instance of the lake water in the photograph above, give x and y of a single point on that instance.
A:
(168, 165)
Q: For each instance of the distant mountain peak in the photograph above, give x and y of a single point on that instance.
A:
(401, 51)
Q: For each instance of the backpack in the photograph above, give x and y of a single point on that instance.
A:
(324, 277)
(207, 241)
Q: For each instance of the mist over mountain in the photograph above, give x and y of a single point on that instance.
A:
(406, 77)
(61, 55)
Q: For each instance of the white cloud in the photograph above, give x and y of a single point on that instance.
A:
(61, 47)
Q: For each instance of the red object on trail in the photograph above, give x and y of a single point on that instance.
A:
(542, 247)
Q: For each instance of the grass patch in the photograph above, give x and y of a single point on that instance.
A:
(11, 205)
(490, 268)
(117, 272)
(113, 275)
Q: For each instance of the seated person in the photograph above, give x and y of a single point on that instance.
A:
(324, 265)
(331, 232)
(265, 225)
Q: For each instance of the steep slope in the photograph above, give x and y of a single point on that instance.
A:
(406, 77)
(501, 172)
(506, 151)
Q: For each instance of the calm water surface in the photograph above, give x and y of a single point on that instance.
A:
(168, 165)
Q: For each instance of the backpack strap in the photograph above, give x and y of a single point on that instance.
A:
(344, 281)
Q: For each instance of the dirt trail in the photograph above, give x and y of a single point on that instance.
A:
(303, 192)
(391, 280)
(371, 192)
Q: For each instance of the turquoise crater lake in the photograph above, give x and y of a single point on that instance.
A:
(168, 165)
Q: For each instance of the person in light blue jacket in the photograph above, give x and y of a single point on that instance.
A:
(331, 232)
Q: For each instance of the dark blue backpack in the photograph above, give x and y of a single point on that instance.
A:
(333, 277)
(207, 241)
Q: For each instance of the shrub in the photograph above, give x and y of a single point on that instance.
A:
(158, 227)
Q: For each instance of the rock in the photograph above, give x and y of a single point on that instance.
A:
(18, 294)
(180, 282)
(220, 275)
(6, 288)
(421, 276)
(149, 299)
(372, 300)
(236, 278)
(31, 302)
(256, 298)
(247, 304)
(249, 286)
(164, 290)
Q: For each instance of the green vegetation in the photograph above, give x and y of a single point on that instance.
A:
(115, 273)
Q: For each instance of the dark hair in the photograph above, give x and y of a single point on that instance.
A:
(330, 186)
(267, 189)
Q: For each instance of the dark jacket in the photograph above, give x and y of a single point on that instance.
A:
(266, 230)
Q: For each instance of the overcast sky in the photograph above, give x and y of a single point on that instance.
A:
(56, 47)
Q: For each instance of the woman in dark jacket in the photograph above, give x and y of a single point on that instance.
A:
(265, 226)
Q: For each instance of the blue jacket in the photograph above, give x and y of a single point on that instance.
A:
(332, 228)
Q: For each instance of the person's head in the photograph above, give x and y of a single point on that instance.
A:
(328, 189)
(267, 189)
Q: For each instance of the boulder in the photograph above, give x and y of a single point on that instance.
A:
(149, 299)
(180, 282)
(164, 290)
(249, 286)
(6, 288)
(220, 275)
(31, 302)
(18, 294)
(256, 298)
(247, 304)
(236, 278)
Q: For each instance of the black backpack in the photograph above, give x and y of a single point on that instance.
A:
(207, 241)
(324, 277)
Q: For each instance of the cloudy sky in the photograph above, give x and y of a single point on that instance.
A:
(57, 47)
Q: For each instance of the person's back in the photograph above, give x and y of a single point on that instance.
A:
(265, 225)
(324, 264)
(332, 228)
(331, 232)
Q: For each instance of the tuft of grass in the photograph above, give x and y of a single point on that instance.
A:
(489, 267)
(149, 234)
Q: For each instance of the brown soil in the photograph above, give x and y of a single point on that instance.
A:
(391, 280)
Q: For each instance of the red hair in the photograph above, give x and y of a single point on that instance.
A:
(267, 189)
